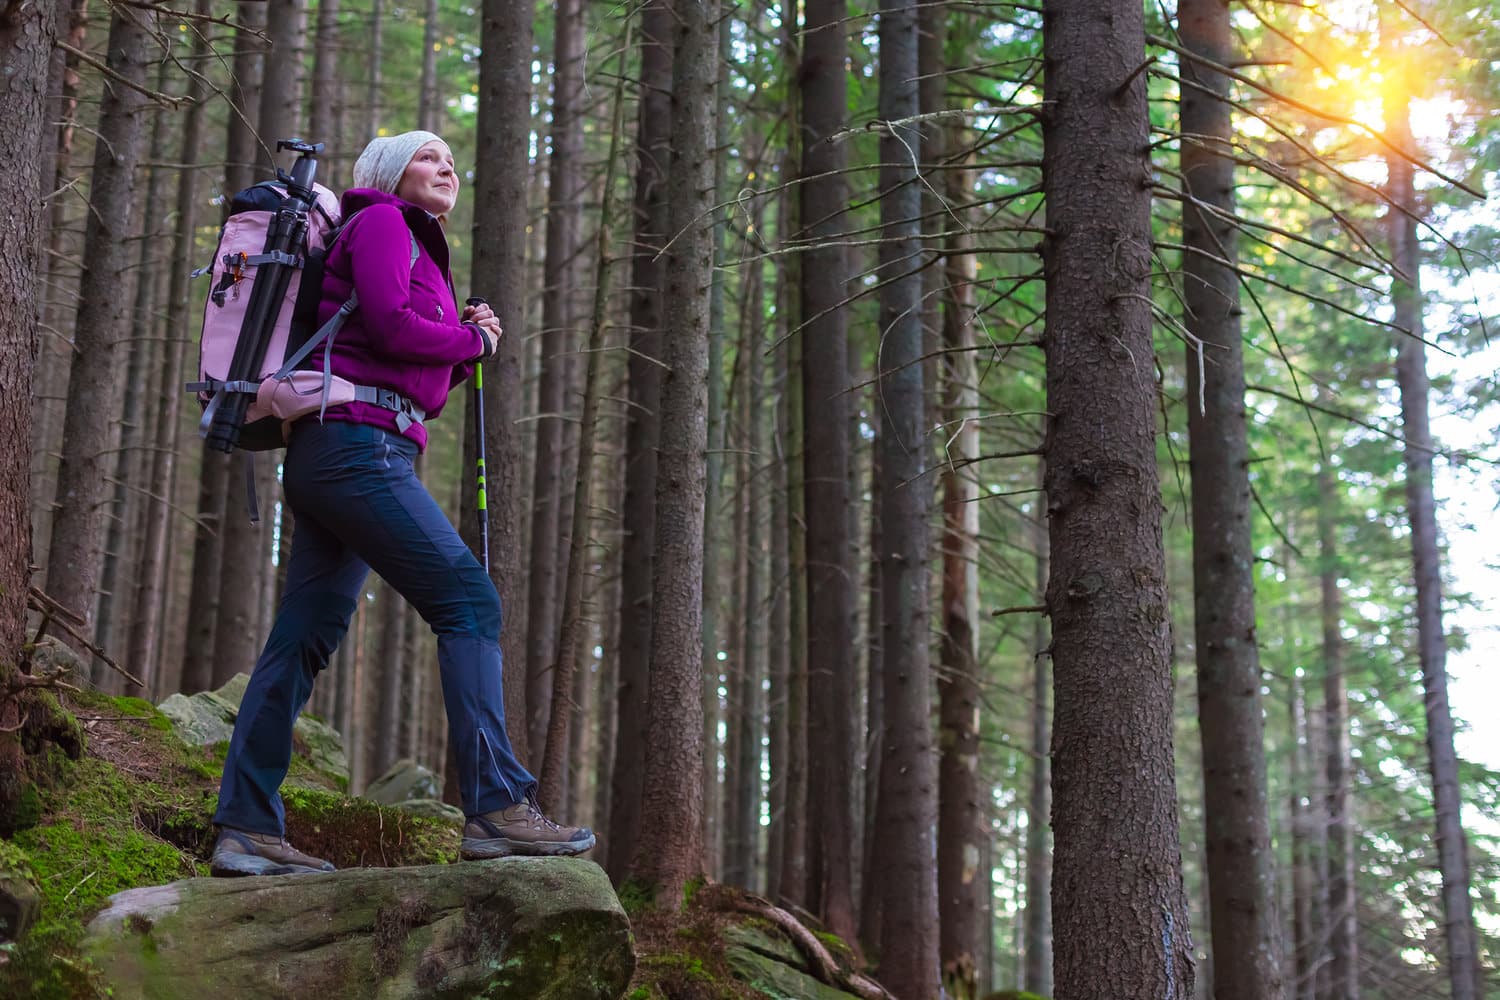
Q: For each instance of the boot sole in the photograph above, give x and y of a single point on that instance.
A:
(241, 865)
(476, 849)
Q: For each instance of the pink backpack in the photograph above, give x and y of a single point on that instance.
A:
(280, 389)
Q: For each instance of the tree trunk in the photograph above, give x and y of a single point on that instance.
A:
(1304, 946)
(747, 786)
(55, 352)
(671, 790)
(713, 500)
(1038, 932)
(75, 555)
(1246, 935)
(570, 645)
(390, 675)
(824, 338)
(144, 645)
(242, 150)
(246, 556)
(779, 654)
(327, 83)
(792, 870)
(373, 106)
(564, 216)
(1464, 972)
(428, 107)
(962, 796)
(281, 84)
(121, 572)
(643, 428)
(1342, 939)
(27, 33)
(871, 903)
(499, 274)
(1119, 912)
(908, 780)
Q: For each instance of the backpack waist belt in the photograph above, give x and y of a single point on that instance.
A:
(407, 412)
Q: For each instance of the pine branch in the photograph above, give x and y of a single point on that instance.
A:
(1292, 102)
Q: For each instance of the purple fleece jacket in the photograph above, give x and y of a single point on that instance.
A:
(406, 333)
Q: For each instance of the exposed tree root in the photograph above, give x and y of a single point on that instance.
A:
(824, 966)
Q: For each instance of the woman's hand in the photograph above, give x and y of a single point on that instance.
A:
(484, 318)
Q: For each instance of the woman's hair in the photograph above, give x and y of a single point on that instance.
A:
(386, 157)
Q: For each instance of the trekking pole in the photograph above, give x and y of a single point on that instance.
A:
(483, 509)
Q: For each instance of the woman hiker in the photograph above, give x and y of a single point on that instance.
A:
(359, 506)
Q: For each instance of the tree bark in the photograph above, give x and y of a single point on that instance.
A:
(27, 33)
(428, 108)
(281, 83)
(824, 340)
(643, 428)
(242, 150)
(391, 672)
(1245, 932)
(909, 939)
(671, 790)
(373, 106)
(962, 816)
(1341, 938)
(778, 653)
(1465, 975)
(1038, 932)
(503, 129)
(120, 574)
(1304, 946)
(564, 216)
(570, 645)
(327, 83)
(75, 555)
(144, 644)
(49, 387)
(1119, 911)
(245, 559)
(713, 671)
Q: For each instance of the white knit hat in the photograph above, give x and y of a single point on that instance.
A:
(386, 157)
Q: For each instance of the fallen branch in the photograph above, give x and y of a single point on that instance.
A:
(67, 618)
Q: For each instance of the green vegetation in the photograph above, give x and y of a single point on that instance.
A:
(135, 808)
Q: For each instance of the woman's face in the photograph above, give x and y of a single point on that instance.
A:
(430, 181)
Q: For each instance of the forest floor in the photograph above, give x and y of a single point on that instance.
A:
(134, 808)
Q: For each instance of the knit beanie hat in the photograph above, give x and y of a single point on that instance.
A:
(385, 159)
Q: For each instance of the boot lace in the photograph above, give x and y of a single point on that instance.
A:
(539, 817)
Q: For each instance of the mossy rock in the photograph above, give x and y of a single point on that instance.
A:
(137, 810)
(777, 980)
(518, 927)
(404, 781)
(20, 898)
(207, 719)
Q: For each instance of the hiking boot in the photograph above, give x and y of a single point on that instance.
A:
(239, 852)
(521, 829)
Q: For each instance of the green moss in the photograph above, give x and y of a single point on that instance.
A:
(636, 897)
(358, 832)
(98, 831)
(28, 810)
(688, 966)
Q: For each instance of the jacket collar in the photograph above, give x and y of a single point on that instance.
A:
(423, 224)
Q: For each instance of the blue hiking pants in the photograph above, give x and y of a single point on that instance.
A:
(359, 505)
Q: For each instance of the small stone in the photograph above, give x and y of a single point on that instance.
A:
(404, 781)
